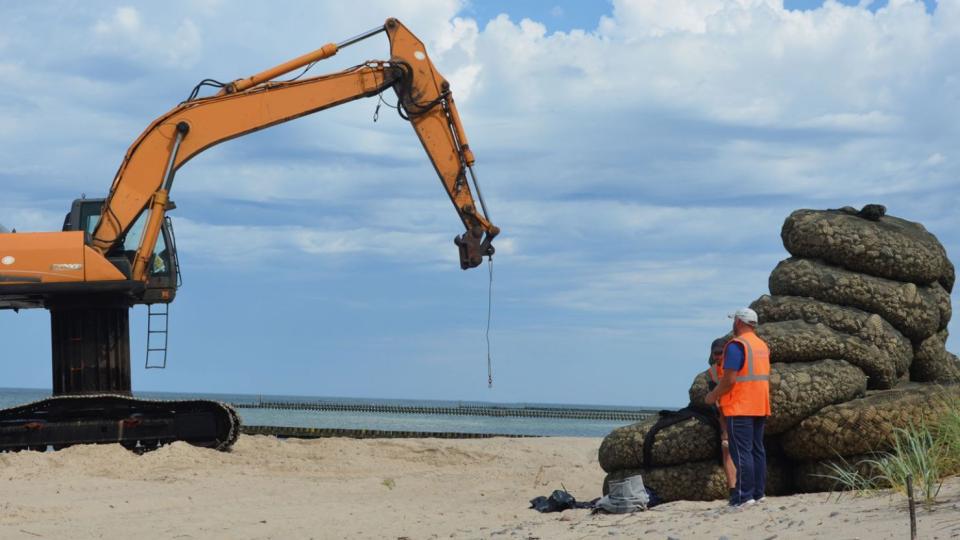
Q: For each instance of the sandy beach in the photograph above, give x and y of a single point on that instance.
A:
(399, 488)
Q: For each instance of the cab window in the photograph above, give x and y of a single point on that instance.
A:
(132, 241)
(161, 258)
(92, 223)
(160, 263)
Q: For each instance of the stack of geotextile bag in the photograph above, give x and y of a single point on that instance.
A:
(858, 312)
(892, 276)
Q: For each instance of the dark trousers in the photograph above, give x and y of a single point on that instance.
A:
(749, 457)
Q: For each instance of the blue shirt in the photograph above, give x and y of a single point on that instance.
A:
(733, 357)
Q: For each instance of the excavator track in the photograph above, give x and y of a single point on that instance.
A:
(138, 424)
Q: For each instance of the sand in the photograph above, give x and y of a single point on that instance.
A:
(398, 488)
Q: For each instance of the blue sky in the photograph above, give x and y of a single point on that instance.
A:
(640, 157)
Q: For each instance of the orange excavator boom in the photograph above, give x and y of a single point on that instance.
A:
(46, 264)
(146, 175)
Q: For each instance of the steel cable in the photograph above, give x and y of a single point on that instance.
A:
(489, 313)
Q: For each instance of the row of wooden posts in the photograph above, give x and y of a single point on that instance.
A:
(460, 410)
(320, 433)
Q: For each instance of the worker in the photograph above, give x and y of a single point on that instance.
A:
(714, 373)
(743, 395)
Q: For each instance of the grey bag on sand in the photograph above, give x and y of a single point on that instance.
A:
(625, 496)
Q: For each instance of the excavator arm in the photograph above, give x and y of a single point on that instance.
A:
(145, 177)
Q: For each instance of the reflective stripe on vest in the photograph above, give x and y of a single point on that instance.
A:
(751, 373)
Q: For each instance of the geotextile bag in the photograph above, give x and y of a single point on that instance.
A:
(800, 341)
(912, 309)
(887, 246)
(867, 425)
(869, 327)
(691, 439)
(698, 481)
(933, 363)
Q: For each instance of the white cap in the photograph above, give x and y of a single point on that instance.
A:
(745, 315)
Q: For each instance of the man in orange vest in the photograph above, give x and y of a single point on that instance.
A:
(744, 397)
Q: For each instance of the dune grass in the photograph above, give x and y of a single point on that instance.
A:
(949, 433)
(919, 453)
(928, 453)
(852, 477)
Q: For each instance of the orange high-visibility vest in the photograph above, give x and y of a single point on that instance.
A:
(715, 373)
(750, 396)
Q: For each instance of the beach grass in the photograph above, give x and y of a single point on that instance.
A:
(849, 477)
(917, 453)
(927, 453)
(949, 434)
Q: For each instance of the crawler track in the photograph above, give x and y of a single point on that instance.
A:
(138, 424)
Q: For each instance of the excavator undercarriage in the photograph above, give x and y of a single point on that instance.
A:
(138, 424)
(91, 401)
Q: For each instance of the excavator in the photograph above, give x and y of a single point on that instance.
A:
(120, 251)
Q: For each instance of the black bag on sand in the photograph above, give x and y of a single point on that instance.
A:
(558, 501)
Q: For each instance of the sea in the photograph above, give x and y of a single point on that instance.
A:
(555, 427)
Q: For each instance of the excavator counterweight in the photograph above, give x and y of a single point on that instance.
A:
(120, 251)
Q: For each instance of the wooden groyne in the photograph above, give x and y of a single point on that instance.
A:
(459, 410)
(319, 433)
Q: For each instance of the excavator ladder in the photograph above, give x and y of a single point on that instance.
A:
(158, 325)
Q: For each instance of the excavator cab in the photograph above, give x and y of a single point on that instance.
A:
(164, 276)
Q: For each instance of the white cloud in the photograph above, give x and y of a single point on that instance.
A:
(125, 20)
(657, 18)
(458, 34)
(208, 8)
(258, 247)
(935, 159)
(124, 32)
(872, 121)
(464, 78)
(748, 63)
(24, 216)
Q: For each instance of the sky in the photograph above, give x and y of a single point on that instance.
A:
(640, 157)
